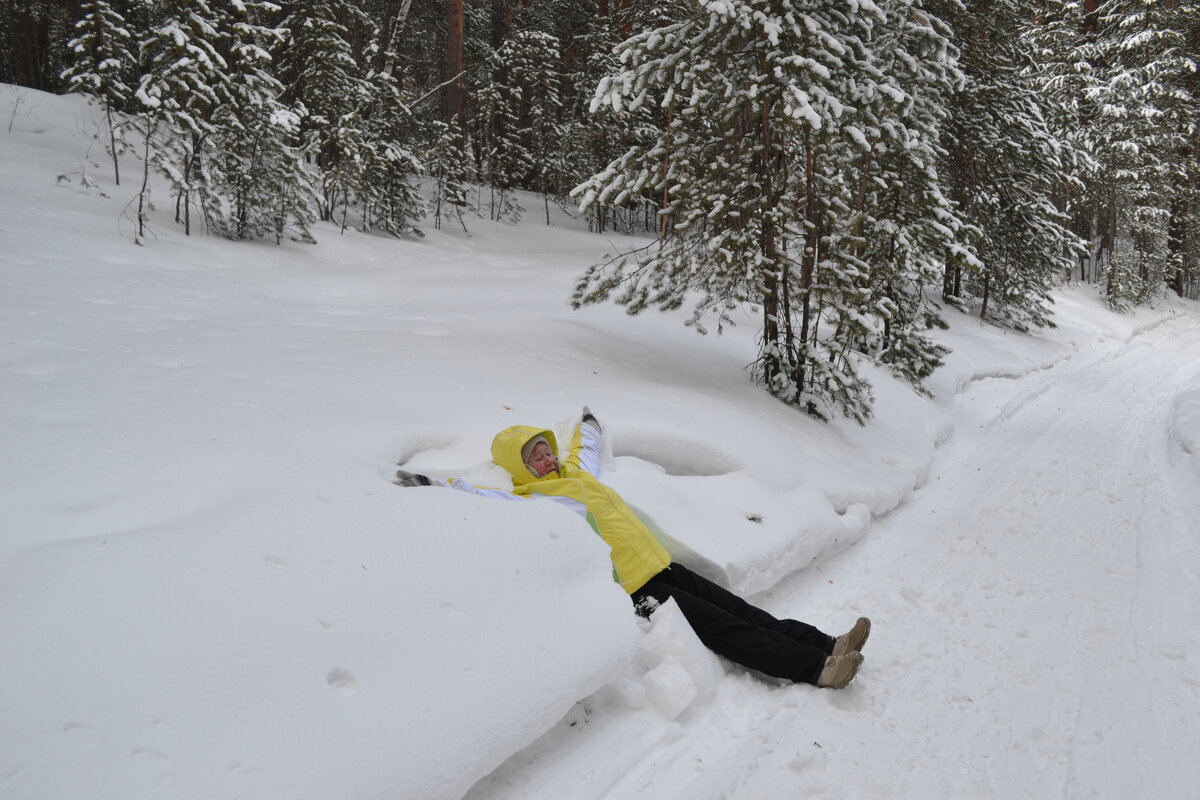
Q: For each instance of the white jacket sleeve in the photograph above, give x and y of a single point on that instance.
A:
(463, 486)
(589, 448)
(458, 483)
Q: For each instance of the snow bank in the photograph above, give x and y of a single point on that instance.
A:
(673, 679)
(348, 648)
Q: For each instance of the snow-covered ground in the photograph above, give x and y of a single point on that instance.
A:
(209, 588)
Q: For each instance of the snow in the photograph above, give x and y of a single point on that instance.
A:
(209, 588)
(1186, 419)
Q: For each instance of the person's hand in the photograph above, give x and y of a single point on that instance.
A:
(588, 416)
(404, 478)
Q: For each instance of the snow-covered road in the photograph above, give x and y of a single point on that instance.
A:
(1036, 609)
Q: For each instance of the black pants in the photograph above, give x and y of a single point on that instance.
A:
(731, 627)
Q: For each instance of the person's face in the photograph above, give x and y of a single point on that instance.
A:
(541, 460)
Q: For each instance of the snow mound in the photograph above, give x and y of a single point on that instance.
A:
(681, 670)
(251, 651)
(1185, 420)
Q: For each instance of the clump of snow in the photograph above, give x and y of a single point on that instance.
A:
(681, 670)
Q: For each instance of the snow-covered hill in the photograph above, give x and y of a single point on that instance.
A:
(209, 588)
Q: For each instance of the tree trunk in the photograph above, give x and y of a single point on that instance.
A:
(1111, 283)
(1091, 19)
(397, 27)
(770, 338)
(1176, 237)
(454, 69)
(501, 19)
(666, 194)
(860, 202)
(622, 12)
(808, 263)
(112, 141)
(141, 208)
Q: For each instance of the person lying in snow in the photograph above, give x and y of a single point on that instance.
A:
(724, 622)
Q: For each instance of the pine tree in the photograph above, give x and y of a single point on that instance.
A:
(184, 81)
(504, 159)
(1005, 165)
(779, 122)
(445, 162)
(1182, 114)
(902, 230)
(591, 141)
(103, 64)
(1122, 70)
(533, 91)
(1063, 73)
(259, 170)
(321, 73)
(1145, 61)
(386, 186)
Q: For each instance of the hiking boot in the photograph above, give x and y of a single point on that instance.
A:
(840, 670)
(854, 639)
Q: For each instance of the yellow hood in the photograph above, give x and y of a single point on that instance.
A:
(506, 451)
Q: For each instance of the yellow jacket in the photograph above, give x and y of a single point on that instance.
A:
(636, 555)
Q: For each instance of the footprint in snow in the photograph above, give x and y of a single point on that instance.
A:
(343, 680)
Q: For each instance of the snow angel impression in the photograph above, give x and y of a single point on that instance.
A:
(724, 622)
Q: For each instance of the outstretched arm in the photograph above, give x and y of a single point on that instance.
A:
(404, 478)
(585, 446)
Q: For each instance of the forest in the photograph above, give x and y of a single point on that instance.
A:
(842, 169)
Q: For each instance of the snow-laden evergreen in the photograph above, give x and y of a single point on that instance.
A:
(796, 171)
(827, 166)
(185, 80)
(591, 141)
(104, 63)
(321, 73)
(1144, 56)
(259, 171)
(445, 164)
(387, 188)
(1122, 76)
(1006, 165)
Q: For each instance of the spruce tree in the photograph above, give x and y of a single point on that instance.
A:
(259, 171)
(104, 63)
(504, 159)
(184, 80)
(1145, 60)
(783, 125)
(445, 163)
(896, 228)
(591, 141)
(1064, 72)
(386, 185)
(1125, 71)
(531, 59)
(1005, 164)
(322, 75)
